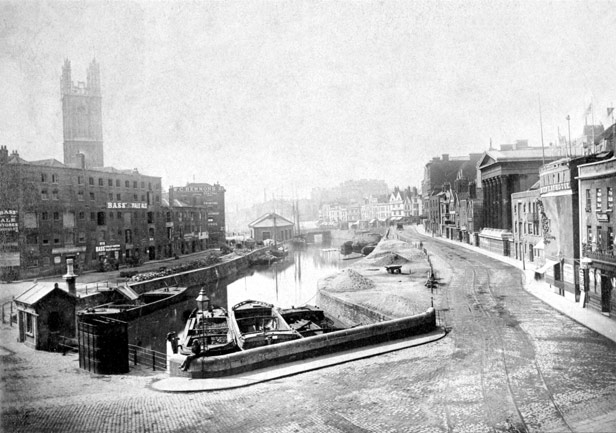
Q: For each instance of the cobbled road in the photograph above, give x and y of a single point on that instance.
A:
(509, 363)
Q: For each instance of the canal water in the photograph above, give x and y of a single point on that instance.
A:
(291, 282)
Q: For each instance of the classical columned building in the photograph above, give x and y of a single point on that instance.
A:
(503, 172)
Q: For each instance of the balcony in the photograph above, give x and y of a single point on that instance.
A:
(602, 254)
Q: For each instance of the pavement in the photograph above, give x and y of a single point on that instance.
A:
(182, 384)
(544, 291)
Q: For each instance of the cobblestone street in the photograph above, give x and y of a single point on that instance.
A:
(510, 363)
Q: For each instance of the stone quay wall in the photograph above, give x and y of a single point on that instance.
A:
(238, 362)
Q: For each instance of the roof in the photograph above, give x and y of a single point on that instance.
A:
(270, 220)
(39, 291)
(52, 162)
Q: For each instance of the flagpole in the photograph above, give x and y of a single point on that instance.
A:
(541, 125)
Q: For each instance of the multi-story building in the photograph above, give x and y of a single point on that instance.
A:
(185, 227)
(437, 173)
(513, 168)
(528, 242)
(597, 183)
(211, 198)
(91, 215)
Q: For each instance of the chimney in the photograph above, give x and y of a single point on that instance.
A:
(4, 155)
(445, 157)
(70, 277)
(171, 196)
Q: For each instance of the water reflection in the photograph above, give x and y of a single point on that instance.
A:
(291, 282)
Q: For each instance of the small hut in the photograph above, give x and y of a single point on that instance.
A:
(45, 313)
(271, 226)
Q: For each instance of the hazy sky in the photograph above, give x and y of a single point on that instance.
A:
(257, 95)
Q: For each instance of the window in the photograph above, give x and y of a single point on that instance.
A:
(135, 197)
(82, 215)
(43, 177)
(82, 237)
(142, 184)
(80, 195)
(598, 204)
(134, 184)
(118, 182)
(610, 239)
(111, 215)
(101, 182)
(600, 244)
(54, 178)
(588, 204)
(110, 196)
(610, 198)
(56, 216)
(100, 218)
(32, 238)
(44, 215)
(56, 241)
(80, 180)
(127, 184)
(92, 196)
(44, 195)
(54, 194)
(92, 216)
(128, 236)
(110, 182)
(142, 197)
(150, 217)
(118, 197)
(91, 181)
(119, 215)
(46, 242)
(29, 324)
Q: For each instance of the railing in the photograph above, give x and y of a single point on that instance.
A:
(9, 313)
(147, 357)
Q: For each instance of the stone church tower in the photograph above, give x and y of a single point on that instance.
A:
(82, 118)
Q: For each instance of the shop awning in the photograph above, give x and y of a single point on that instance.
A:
(548, 264)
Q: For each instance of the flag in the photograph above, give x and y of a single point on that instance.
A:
(589, 109)
(609, 110)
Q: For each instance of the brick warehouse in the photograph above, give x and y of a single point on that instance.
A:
(99, 216)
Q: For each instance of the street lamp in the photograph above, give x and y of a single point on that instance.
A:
(203, 302)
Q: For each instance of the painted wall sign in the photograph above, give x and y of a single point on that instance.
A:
(8, 220)
(126, 205)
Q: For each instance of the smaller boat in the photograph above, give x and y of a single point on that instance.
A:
(134, 305)
(211, 329)
(256, 324)
(309, 320)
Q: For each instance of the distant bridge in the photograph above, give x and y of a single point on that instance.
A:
(311, 235)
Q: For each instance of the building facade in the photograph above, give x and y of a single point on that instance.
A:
(597, 183)
(95, 216)
(210, 198)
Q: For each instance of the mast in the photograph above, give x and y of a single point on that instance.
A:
(541, 126)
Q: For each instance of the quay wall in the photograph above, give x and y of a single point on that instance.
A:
(346, 312)
(226, 365)
(188, 278)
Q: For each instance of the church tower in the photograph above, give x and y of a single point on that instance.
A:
(82, 118)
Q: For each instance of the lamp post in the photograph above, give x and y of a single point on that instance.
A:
(203, 302)
(569, 128)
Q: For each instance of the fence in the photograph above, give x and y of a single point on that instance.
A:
(150, 358)
(9, 313)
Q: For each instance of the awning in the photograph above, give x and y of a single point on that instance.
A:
(540, 245)
(548, 264)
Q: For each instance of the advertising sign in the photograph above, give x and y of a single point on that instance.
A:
(8, 220)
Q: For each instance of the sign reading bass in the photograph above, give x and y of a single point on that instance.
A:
(8, 220)
(124, 205)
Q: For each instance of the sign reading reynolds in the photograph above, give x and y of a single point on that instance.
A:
(125, 205)
(8, 221)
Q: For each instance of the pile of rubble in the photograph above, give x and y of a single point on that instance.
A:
(349, 280)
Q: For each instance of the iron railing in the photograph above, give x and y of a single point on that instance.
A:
(147, 357)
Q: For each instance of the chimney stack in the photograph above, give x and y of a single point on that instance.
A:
(70, 277)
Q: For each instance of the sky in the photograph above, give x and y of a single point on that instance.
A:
(274, 98)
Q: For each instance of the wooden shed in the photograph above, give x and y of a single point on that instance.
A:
(45, 314)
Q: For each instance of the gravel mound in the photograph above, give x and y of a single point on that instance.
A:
(349, 280)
